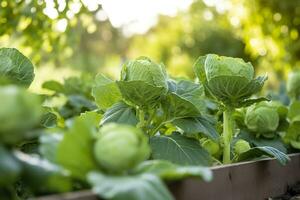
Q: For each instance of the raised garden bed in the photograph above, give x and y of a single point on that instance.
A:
(248, 180)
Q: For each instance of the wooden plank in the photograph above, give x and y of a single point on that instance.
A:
(255, 180)
(245, 181)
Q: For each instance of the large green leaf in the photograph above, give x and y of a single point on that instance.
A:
(169, 171)
(229, 89)
(189, 91)
(75, 152)
(179, 149)
(176, 107)
(141, 93)
(196, 125)
(120, 113)
(138, 187)
(15, 67)
(257, 152)
(105, 92)
(42, 175)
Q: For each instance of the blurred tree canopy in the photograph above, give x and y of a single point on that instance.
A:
(261, 31)
(74, 33)
(65, 32)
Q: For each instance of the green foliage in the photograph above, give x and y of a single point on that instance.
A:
(21, 111)
(169, 171)
(10, 167)
(262, 119)
(140, 117)
(230, 80)
(144, 186)
(293, 85)
(15, 67)
(120, 147)
(78, 140)
(179, 149)
(211, 146)
(256, 152)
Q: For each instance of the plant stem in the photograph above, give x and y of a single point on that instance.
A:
(228, 130)
(141, 123)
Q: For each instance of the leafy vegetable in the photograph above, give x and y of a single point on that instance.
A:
(241, 146)
(120, 147)
(15, 68)
(262, 119)
(21, 111)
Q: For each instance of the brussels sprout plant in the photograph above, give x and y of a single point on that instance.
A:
(123, 138)
(231, 82)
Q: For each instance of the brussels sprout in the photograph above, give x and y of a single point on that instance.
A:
(230, 80)
(293, 85)
(241, 146)
(120, 147)
(20, 112)
(262, 119)
(143, 69)
(212, 147)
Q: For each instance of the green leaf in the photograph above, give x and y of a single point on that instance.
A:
(192, 126)
(250, 102)
(141, 93)
(10, 167)
(120, 113)
(144, 186)
(53, 86)
(179, 149)
(75, 152)
(105, 92)
(199, 68)
(15, 67)
(169, 171)
(76, 105)
(42, 175)
(48, 145)
(189, 91)
(294, 111)
(176, 107)
(92, 117)
(292, 135)
(257, 152)
(49, 120)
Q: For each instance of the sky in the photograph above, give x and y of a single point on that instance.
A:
(137, 16)
(132, 16)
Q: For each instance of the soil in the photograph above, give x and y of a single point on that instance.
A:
(292, 193)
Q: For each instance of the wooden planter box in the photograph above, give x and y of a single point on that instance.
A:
(254, 180)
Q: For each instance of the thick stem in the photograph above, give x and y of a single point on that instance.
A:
(228, 131)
